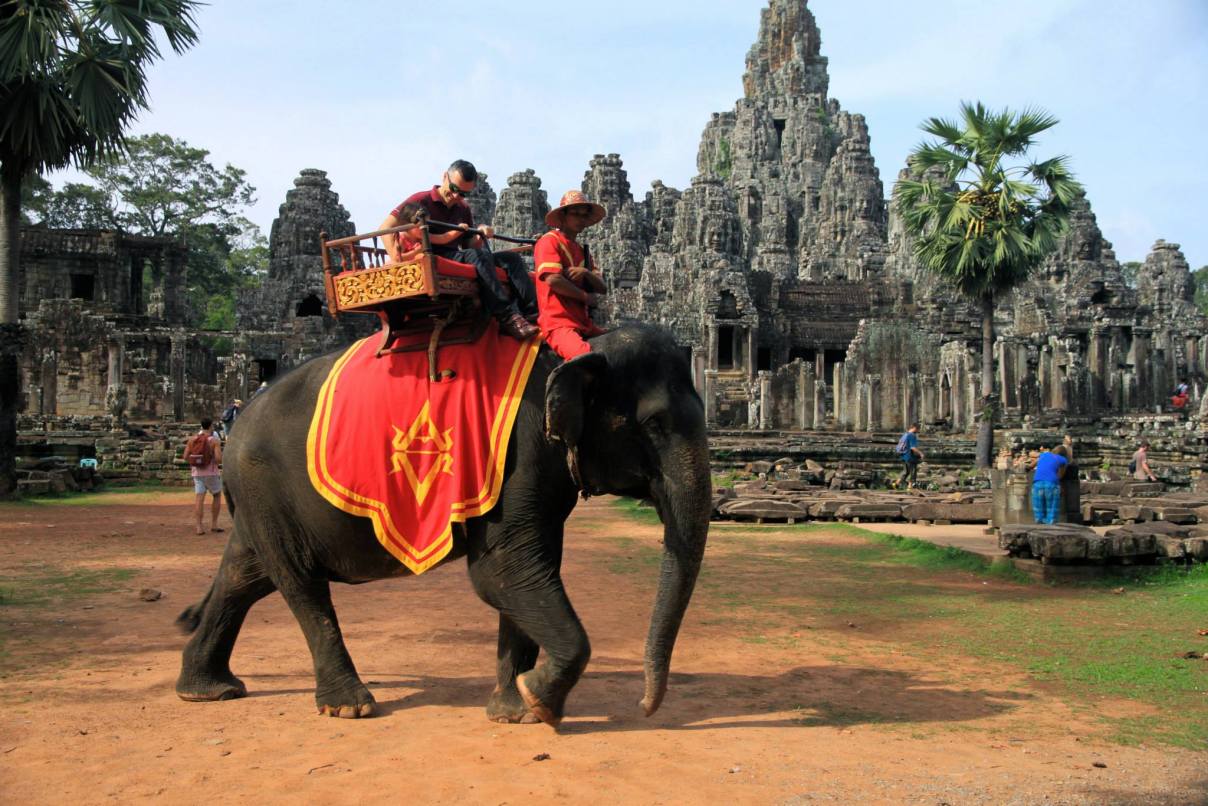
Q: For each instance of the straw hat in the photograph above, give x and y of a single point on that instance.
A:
(574, 198)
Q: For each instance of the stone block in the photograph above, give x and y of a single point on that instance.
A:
(1143, 489)
(761, 510)
(33, 486)
(1152, 528)
(1197, 548)
(1132, 545)
(1177, 515)
(788, 485)
(1171, 547)
(1058, 545)
(953, 513)
(869, 512)
(1013, 539)
(828, 508)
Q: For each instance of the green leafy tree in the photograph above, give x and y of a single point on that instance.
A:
(1200, 276)
(76, 206)
(982, 218)
(72, 77)
(162, 186)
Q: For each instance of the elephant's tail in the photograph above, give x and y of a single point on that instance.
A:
(189, 620)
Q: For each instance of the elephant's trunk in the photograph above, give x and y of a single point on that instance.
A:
(684, 498)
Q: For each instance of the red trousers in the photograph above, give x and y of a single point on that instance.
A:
(568, 342)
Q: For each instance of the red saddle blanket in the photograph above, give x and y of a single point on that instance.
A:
(415, 456)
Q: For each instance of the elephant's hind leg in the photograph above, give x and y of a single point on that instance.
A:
(338, 688)
(517, 655)
(205, 672)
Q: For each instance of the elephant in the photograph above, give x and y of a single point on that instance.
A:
(622, 419)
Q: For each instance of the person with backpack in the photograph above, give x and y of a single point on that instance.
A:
(908, 451)
(203, 455)
(1138, 466)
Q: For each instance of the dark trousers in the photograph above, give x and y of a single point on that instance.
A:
(910, 471)
(490, 289)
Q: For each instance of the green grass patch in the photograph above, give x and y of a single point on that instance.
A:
(641, 511)
(139, 494)
(1118, 639)
(45, 585)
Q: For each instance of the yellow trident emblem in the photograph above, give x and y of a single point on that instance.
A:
(423, 438)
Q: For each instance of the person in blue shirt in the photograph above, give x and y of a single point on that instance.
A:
(1046, 484)
(908, 451)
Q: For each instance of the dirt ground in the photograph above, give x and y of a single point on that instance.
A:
(89, 713)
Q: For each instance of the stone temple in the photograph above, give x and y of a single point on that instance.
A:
(782, 269)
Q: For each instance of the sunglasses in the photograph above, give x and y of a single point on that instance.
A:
(456, 191)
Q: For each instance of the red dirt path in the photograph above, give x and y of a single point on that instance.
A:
(90, 715)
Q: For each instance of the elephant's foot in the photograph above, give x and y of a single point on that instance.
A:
(545, 707)
(508, 706)
(210, 688)
(353, 702)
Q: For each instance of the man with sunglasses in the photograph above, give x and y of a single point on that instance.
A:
(446, 202)
(568, 283)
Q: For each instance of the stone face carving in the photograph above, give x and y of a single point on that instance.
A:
(522, 208)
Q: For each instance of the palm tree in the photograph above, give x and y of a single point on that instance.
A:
(983, 218)
(72, 76)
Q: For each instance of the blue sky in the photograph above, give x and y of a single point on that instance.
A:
(383, 95)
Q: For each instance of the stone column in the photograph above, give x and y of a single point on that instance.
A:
(806, 407)
(710, 394)
(873, 403)
(50, 383)
(1139, 358)
(842, 417)
(927, 396)
(177, 376)
(750, 357)
(116, 396)
(700, 362)
(1097, 366)
(765, 400)
(711, 347)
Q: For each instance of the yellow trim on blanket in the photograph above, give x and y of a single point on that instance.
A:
(355, 504)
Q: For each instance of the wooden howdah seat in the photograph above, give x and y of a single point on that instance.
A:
(424, 302)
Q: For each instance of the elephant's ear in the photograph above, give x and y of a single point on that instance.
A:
(566, 392)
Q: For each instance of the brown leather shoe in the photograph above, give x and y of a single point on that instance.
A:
(516, 327)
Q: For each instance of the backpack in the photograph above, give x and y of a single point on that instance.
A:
(199, 451)
(228, 415)
(1132, 466)
(901, 449)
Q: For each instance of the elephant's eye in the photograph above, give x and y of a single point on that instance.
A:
(658, 423)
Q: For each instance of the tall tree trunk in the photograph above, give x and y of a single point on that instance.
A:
(985, 428)
(10, 243)
(10, 330)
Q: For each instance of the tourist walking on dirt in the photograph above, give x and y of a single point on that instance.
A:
(1046, 484)
(203, 455)
(568, 281)
(1140, 464)
(908, 451)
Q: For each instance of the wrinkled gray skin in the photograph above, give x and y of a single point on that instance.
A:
(625, 414)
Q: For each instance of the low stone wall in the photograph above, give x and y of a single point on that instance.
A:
(134, 453)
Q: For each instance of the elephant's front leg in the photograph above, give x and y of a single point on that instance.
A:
(517, 655)
(338, 689)
(526, 589)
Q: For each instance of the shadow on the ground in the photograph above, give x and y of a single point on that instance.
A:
(807, 696)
